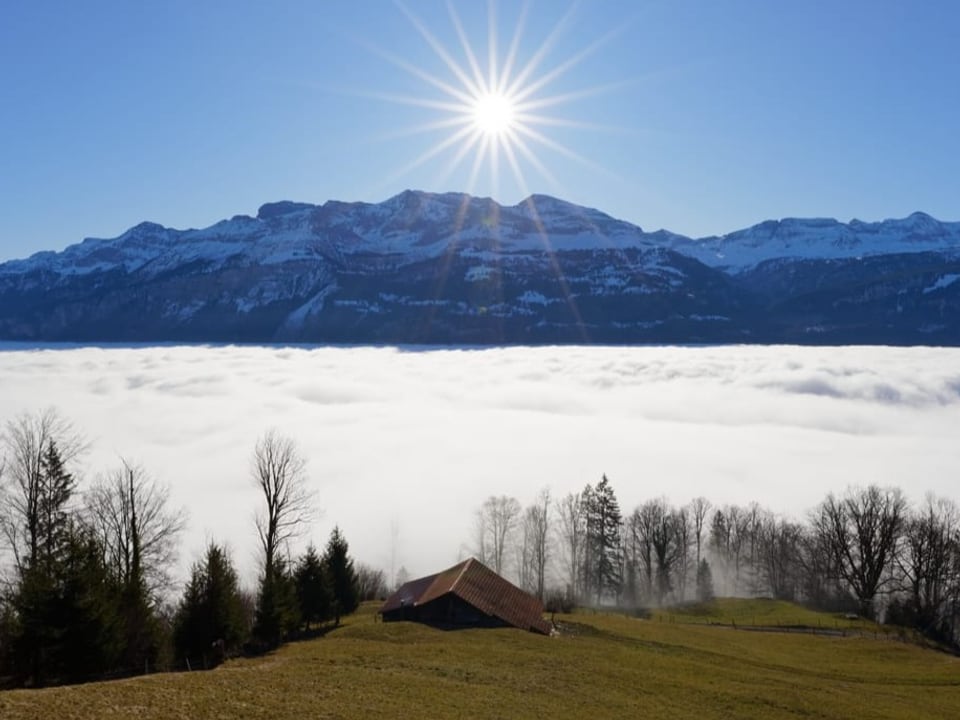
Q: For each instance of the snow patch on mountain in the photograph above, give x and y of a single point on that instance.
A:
(478, 273)
(531, 297)
(944, 281)
(313, 306)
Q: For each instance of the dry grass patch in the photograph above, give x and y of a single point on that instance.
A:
(615, 667)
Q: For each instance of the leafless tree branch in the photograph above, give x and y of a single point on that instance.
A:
(279, 471)
(128, 508)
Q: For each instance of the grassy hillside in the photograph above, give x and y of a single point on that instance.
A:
(760, 612)
(606, 666)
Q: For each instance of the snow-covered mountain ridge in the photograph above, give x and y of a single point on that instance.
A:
(420, 225)
(823, 238)
(414, 225)
(451, 268)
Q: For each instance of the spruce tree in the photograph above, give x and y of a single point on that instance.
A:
(343, 579)
(604, 529)
(68, 628)
(704, 581)
(54, 491)
(588, 550)
(58, 585)
(210, 623)
(278, 610)
(313, 588)
(92, 639)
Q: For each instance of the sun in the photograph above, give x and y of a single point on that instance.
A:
(494, 114)
(496, 108)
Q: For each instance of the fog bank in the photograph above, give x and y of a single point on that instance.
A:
(414, 440)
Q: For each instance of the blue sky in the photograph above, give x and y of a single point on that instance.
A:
(703, 117)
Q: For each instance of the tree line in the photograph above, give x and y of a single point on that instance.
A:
(866, 551)
(85, 591)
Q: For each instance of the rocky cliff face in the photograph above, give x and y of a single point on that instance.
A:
(450, 268)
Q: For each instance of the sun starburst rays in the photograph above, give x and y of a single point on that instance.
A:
(494, 106)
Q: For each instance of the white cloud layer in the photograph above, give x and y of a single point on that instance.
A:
(417, 439)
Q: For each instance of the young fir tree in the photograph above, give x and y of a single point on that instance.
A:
(35, 600)
(704, 582)
(64, 602)
(54, 491)
(343, 579)
(68, 620)
(278, 610)
(313, 588)
(210, 623)
(92, 639)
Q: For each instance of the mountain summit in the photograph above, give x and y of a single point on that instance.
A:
(451, 268)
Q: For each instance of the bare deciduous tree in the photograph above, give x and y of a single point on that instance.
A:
(279, 472)
(863, 529)
(130, 512)
(640, 526)
(683, 529)
(496, 524)
(572, 530)
(779, 544)
(755, 518)
(739, 530)
(728, 532)
(371, 582)
(536, 544)
(928, 561)
(815, 565)
(699, 507)
(403, 577)
(666, 550)
(631, 593)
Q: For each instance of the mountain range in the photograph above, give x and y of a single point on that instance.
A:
(449, 268)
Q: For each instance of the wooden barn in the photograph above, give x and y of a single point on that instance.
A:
(469, 594)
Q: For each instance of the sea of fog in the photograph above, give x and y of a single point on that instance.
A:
(404, 444)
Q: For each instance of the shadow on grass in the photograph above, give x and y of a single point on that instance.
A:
(253, 648)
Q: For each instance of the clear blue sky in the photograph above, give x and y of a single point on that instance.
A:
(708, 116)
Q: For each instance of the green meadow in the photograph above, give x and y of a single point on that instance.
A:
(689, 664)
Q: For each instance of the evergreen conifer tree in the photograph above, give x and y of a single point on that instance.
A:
(704, 581)
(343, 579)
(64, 602)
(604, 529)
(313, 588)
(54, 490)
(210, 623)
(278, 608)
(68, 618)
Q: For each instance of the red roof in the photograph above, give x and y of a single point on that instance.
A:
(481, 587)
